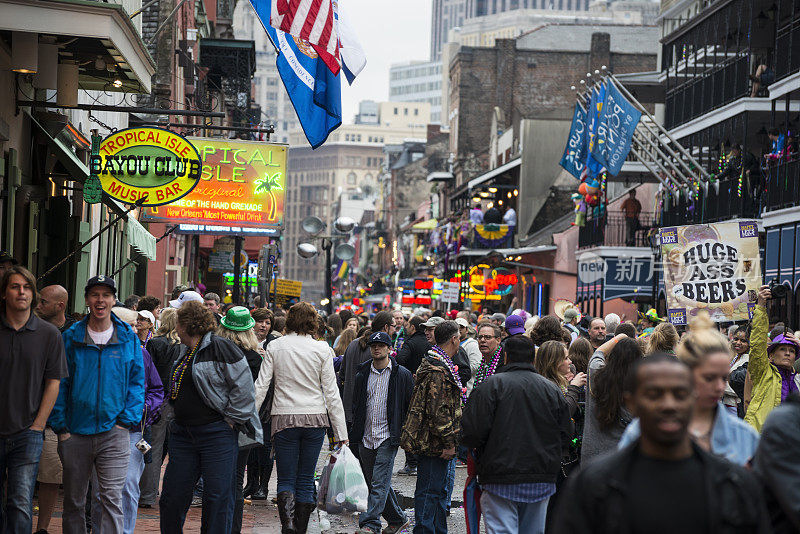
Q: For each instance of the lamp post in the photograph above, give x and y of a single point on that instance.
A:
(344, 251)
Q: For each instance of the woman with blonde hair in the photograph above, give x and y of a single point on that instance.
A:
(237, 326)
(663, 339)
(707, 353)
(553, 363)
(305, 402)
(165, 348)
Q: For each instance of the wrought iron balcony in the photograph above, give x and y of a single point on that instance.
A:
(614, 230)
(782, 184)
(725, 200)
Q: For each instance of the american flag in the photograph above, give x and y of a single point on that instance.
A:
(312, 21)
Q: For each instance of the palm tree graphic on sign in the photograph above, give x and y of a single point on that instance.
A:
(267, 185)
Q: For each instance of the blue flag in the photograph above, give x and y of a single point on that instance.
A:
(614, 131)
(594, 167)
(574, 157)
(315, 92)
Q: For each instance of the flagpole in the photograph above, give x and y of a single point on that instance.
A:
(680, 147)
(582, 100)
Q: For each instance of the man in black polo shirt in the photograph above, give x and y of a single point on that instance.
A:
(32, 363)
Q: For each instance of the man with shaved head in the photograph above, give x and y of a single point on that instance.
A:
(53, 305)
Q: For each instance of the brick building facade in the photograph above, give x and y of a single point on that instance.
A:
(530, 77)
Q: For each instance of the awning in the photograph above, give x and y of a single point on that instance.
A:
(140, 239)
(87, 30)
(475, 182)
(467, 252)
(429, 224)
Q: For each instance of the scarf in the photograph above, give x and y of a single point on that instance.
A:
(788, 385)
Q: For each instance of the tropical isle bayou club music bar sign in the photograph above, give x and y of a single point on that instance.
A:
(211, 186)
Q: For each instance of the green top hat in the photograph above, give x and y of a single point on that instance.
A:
(238, 319)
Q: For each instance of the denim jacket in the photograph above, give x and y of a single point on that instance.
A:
(731, 438)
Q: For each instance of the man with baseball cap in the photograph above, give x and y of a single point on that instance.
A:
(571, 318)
(381, 396)
(100, 400)
(514, 325)
(186, 296)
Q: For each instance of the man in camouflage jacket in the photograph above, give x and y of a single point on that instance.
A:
(432, 427)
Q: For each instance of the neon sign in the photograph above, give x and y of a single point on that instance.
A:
(499, 281)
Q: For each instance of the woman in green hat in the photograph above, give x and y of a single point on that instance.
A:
(237, 326)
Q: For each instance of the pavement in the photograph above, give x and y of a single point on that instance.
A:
(261, 517)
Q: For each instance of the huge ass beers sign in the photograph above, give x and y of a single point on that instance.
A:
(712, 267)
(150, 166)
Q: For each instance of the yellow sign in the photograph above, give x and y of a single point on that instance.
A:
(156, 165)
(242, 183)
(290, 288)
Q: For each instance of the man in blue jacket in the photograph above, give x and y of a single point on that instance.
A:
(381, 394)
(98, 403)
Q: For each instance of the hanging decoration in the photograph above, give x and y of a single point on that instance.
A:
(492, 235)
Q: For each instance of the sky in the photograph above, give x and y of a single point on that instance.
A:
(390, 31)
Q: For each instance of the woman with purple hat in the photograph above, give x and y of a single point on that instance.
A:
(770, 367)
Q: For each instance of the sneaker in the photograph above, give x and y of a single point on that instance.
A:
(197, 501)
(408, 471)
(459, 463)
(398, 529)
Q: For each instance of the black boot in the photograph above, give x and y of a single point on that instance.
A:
(252, 475)
(264, 474)
(302, 515)
(286, 512)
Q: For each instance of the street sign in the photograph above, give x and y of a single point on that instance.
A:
(290, 288)
(450, 292)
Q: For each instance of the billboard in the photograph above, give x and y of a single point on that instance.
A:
(242, 185)
(712, 267)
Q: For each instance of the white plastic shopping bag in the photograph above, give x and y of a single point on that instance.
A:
(346, 490)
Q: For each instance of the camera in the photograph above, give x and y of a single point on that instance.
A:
(777, 290)
(143, 446)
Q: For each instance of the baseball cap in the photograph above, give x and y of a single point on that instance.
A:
(147, 314)
(462, 322)
(379, 337)
(515, 325)
(570, 314)
(433, 322)
(186, 296)
(5, 256)
(101, 280)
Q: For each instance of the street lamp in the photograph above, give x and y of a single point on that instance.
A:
(343, 251)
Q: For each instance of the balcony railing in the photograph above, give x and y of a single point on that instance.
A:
(782, 184)
(613, 230)
(708, 91)
(725, 200)
(787, 43)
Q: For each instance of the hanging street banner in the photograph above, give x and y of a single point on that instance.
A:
(714, 267)
(241, 188)
(574, 158)
(628, 277)
(156, 165)
(614, 130)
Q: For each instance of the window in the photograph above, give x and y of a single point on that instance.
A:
(405, 111)
(395, 111)
(351, 178)
(416, 112)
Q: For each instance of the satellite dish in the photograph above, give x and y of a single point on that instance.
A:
(344, 225)
(344, 251)
(306, 250)
(312, 225)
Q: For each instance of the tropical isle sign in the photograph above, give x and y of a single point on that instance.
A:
(156, 164)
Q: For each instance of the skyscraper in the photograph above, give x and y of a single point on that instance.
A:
(446, 14)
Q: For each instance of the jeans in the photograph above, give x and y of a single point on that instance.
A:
(296, 454)
(377, 465)
(451, 482)
(107, 454)
(502, 516)
(151, 476)
(130, 491)
(430, 495)
(19, 463)
(208, 450)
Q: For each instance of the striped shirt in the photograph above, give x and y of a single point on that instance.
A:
(376, 425)
(528, 492)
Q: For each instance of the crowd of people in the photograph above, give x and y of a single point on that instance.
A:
(564, 424)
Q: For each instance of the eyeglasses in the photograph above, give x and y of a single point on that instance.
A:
(486, 337)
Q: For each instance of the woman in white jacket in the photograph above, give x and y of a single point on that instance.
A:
(305, 402)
